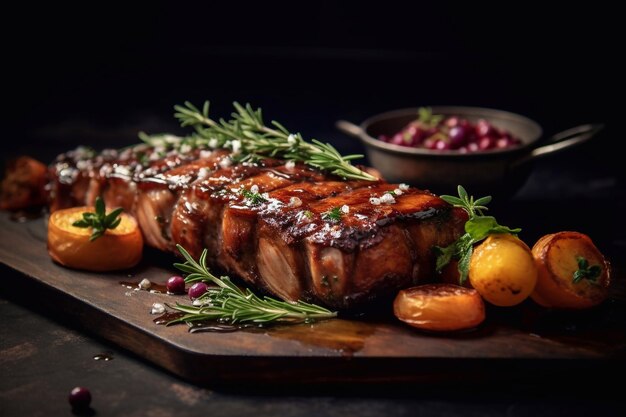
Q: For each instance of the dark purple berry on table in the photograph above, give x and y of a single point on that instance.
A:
(176, 285)
(197, 290)
(80, 398)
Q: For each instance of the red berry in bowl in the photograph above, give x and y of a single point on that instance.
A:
(176, 285)
(428, 130)
(486, 143)
(484, 128)
(398, 139)
(80, 398)
(458, 136)
(452, 121)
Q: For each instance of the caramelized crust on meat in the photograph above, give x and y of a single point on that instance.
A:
(268, 222)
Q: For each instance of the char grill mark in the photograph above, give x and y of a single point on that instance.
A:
(279, 241)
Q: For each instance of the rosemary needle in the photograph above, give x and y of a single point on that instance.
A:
(250, 138)
(227, 303)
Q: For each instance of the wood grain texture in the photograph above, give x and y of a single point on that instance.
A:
(365, 350)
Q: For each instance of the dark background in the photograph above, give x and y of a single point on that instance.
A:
(98, 74)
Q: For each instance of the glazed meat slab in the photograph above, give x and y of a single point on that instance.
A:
(283, 228)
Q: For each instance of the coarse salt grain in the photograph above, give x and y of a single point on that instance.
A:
(290, 165)
(387, 199)
(295, 202)
(403, 187)
(398, 191)
(375, 201)
(254, 188)
(291, 139)
(203, 173)
(157, 308)
(225, 162)
(345, 209)
(213, 143)
(204, 154)
(145, 283)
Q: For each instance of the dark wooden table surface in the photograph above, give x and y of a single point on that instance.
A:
(42, 356)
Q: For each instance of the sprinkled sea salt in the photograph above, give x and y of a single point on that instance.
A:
(375, 201)
(236, 146)
(387, 199)
(291, 139)
(290, 165)
(345, 209)
(204, 154)
(254, 188)
(203, 173)
(225, 162)
(199, 302)
(295, 202)
(157, 308)
(185, 148)
(145, 284)
(404, 187)
(213, 143)
(398, 191)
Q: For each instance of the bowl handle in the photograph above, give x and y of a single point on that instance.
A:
(349, 128)
(563, 140)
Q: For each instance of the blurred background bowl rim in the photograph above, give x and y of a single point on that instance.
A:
(461, 111)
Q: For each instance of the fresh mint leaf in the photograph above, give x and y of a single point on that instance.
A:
(99, 221)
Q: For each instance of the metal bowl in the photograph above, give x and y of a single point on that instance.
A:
(497, 171)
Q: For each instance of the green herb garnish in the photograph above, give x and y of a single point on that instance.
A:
(99, 221)
(591, 273)
(426, 117)
(332, 215)
(248, 137)
(254, 198)
(227, 303)
(477, 228)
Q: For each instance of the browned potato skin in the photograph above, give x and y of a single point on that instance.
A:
(24, 184)
(440, 307)
(502, 270)
(555, 257)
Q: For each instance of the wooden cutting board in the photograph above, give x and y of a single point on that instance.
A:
(375, 348)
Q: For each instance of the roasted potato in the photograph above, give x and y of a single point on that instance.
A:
(573, 273)
(118, 248)
(502, 270)
(440, 307)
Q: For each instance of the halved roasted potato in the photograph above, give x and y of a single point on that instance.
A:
(573, 273)
(440, 307)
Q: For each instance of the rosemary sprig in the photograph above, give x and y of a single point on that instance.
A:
(584, 271)
(477, 228)
(227, 303)
(254, 198)
(99, 221)
(333, 215)
(247, 135)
